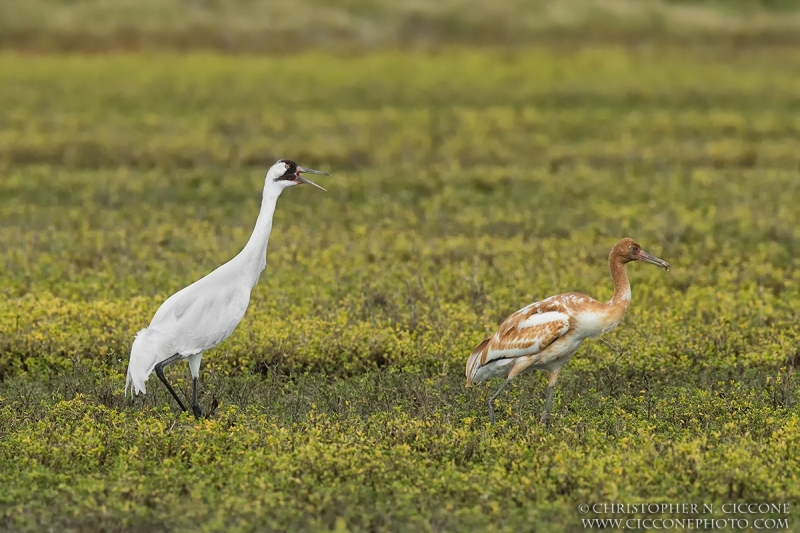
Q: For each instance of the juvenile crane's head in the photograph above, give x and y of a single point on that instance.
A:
(627, 250)
(286, 173)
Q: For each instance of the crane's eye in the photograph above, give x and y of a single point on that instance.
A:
(633, 249)
(286, 165)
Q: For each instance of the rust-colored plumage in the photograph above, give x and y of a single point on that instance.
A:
(545, 335)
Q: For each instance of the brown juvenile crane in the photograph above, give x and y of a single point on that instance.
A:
(545, 335)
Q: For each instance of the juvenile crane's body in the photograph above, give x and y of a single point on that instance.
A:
(545, 335)
(202, 315)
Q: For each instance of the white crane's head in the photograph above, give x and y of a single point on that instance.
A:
(286, 173)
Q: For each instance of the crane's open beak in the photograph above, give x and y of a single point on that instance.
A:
(653, 260)
(301, 179)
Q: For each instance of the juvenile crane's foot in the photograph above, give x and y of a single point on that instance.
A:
(490, 403)
(545, 420)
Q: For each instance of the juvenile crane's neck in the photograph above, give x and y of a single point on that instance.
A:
(622, 287)
(253, 257)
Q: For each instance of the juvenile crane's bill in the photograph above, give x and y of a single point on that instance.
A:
(653, 260)
(545, 335)
(202, 315)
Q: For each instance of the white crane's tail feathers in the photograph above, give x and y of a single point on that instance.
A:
(149, 347)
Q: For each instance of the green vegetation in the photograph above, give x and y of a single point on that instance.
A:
(464, 185)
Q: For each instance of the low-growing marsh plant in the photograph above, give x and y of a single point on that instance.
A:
(339, 401)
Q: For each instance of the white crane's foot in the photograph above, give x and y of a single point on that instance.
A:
(197, 411)
(490, 403)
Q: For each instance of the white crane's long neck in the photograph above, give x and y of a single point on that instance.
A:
(253, 258)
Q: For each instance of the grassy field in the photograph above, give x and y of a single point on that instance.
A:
(465, 184)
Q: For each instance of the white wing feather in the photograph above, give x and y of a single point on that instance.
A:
(199, 319)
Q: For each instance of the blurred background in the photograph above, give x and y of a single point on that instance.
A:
(258, 26)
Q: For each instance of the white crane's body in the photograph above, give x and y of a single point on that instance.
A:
(202, 315)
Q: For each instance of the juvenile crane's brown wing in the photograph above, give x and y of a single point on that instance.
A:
(526, 332)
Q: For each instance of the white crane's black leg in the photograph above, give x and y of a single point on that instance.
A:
(195, 406)
(194, 370)
(160, 373)
(490, 403)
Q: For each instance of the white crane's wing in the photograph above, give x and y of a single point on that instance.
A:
(201, 315)
(526, 332)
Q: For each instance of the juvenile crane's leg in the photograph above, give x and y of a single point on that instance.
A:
(547, 401)
(160, 373)
(551, 382)
(490, 403)
(519, 367)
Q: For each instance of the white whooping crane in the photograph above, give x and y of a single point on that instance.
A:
(202, 315)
